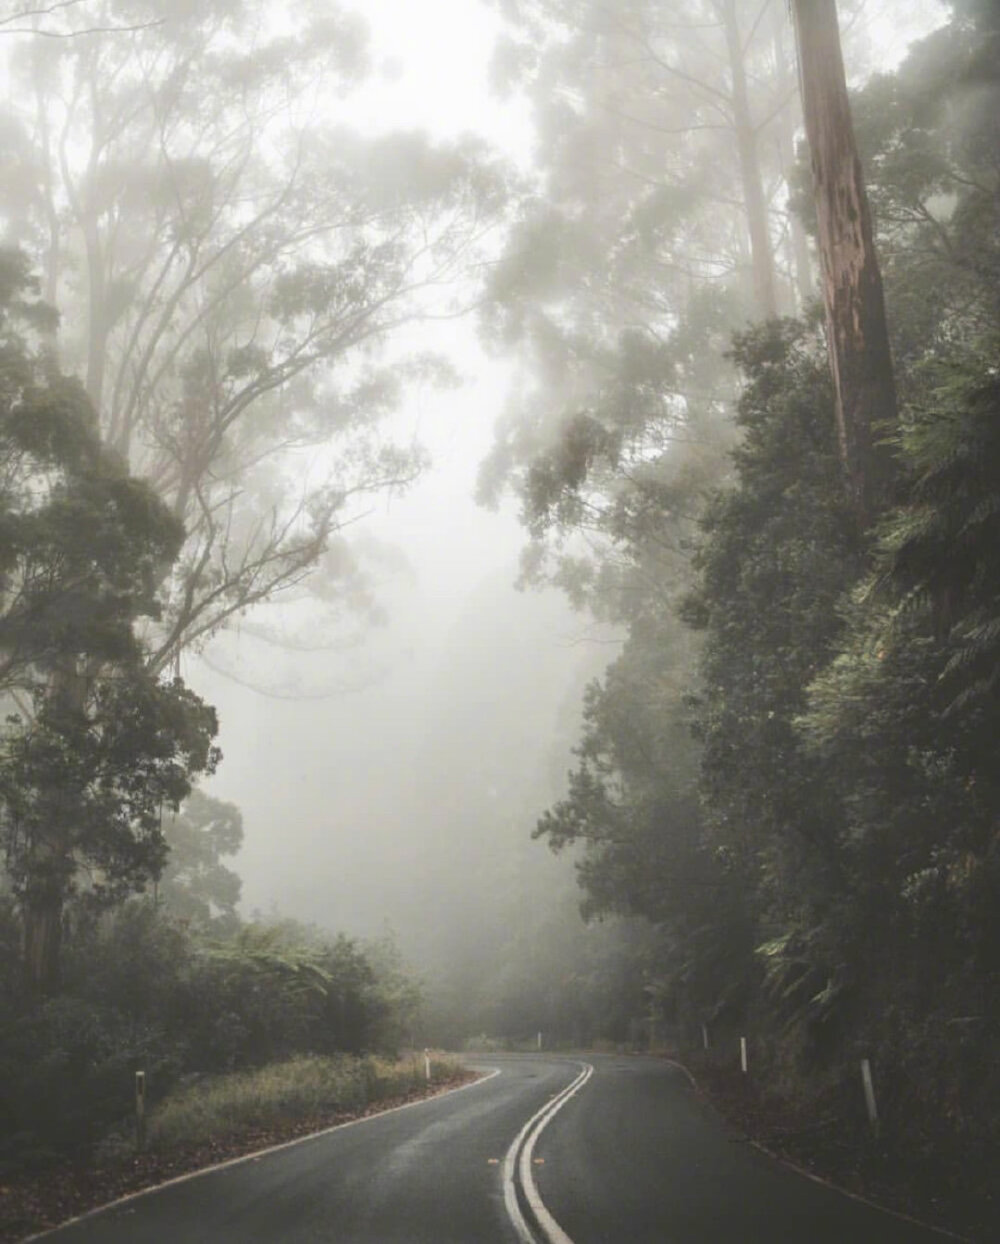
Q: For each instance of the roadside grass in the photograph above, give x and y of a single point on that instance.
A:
(303, 1088)
(213, 1119)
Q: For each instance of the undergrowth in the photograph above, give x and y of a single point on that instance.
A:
(302, 1088)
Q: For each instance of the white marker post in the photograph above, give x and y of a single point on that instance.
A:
(140, 1110)
(743, 1055)
(869, 1087)
(539, 1040)
(427, 1065)
(704, 1036)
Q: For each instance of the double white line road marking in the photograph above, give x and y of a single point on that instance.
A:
(517, 1171)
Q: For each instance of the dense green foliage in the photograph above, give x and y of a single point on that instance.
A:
(95, 744)
(791, 768)
(97, 758)
(145, 990)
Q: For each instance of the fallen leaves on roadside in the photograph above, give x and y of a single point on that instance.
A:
(33, 1202)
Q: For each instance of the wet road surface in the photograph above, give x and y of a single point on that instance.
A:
(630, 1156)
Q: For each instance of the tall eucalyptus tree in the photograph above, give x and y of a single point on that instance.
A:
(857, 330)
(94, 743)
(658, 226)
(231, 260)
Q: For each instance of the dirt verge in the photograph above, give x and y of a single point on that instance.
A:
(37, 1201)
(822, 1143)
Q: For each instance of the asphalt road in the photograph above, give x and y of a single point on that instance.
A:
(636, 1157)
(630, 1156)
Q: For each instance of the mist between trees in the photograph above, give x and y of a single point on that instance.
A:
(753, 437)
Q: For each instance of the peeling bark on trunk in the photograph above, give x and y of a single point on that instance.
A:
(857, 332)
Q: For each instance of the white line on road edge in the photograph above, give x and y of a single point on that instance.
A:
(514, 1169)
(256, 1155)
(821, 1179)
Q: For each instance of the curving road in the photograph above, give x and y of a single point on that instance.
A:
(543, 1152)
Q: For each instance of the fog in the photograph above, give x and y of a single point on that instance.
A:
(376, 805)
(393, 784)
(500, 185)
(398, 795)
(499, 545)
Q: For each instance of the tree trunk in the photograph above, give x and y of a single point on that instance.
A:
(52, 247)
(754, 199)
(97, 333)
(857, 333)
(43, 908)
(49, 854)
(803, 286)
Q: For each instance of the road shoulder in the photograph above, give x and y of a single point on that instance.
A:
(32, 1205)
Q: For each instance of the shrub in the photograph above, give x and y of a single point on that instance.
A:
(303, 1088)
(67, 1075)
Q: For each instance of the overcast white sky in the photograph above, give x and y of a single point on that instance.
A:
(433, 66)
